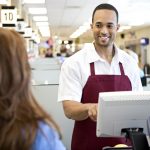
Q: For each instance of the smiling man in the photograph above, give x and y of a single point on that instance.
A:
(99, 67)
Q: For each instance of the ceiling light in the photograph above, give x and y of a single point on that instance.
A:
(136, 23)
(34, 1)
(40, 18)
(40, 11)
(45, 31)
(82, 29)
(122, 28)
(42, 24)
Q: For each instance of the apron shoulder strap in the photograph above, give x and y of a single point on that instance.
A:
(92, 69)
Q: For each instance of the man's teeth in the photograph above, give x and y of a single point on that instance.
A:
(104, 38)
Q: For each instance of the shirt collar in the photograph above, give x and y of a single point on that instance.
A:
(92, 55)
(118, 56)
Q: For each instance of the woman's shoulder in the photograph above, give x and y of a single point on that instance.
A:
(45, 128)
(47, 138)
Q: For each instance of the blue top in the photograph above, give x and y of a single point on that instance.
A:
(47, 139)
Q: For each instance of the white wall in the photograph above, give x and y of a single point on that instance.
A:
(47, 97)
(45, 78)
(139, 33)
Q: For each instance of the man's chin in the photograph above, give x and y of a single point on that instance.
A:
(104, 44)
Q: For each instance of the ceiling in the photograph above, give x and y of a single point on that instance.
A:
(65, 16)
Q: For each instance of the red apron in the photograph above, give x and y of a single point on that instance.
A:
(84, 134)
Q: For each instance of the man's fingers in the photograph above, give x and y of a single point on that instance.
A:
(92, 112)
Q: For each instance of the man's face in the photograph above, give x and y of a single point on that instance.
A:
(104, 27)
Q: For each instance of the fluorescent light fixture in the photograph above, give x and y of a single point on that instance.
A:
(33, 1)
(40, 18)
(40, 11)
(3, 1)
(125, 27)
(82, 29)
(136, 23)
(42, 24)
(45, 31)
(122, 28)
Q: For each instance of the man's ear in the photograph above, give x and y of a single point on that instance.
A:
(118, 26)
(91, 26)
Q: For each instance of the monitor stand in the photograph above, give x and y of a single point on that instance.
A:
(137, 137)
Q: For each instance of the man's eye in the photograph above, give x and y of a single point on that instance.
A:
(98, 25)
(110, 26)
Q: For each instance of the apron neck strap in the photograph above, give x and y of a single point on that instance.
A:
(92, 69)
(121, 68)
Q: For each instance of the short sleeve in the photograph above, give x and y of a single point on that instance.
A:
(70, 87)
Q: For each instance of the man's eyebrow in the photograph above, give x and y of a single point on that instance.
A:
(110, 23)
(98, 22)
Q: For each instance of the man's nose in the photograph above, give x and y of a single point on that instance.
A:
(104, 30)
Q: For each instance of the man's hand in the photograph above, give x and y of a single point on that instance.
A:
(92, 111)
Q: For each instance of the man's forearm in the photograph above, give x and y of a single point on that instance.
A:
(79, 111)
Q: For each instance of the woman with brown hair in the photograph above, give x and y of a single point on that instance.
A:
(24, 125)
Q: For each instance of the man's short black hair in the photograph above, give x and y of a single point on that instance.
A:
(105, 6)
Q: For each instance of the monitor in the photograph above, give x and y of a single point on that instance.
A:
(144, 41)
(118, 110)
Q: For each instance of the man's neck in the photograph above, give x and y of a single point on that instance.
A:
(106, 53)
